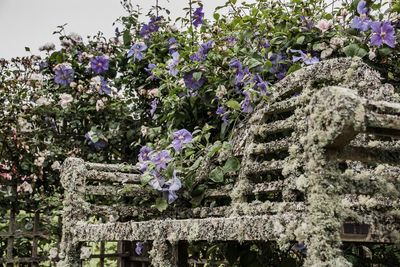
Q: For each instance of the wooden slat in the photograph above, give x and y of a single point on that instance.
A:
(273, 127)
(383, 124)
(366, 154)
(270, 147)
(257, 168)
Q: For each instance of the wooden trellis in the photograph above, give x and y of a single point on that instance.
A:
(318, 164)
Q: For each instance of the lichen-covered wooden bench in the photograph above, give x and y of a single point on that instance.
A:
(325, 147)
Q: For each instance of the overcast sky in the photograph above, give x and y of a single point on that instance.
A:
(32, 22)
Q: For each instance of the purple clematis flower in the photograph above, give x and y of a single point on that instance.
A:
(144, 153)
(139, 248)
(361, 22)
(235, 63)
(150, 68)
(383, 33)
(181, 137)
(260, 84)
(246, 106)
(278, 68)
(161, 159)
(148, 29)
(95, 141)
(136, 51)
(173, 45)
(153, 105)
(264, 43)
(308, 59)
(223, 113)
(202, 52)
(64, 74)
(192, 83)
(198, 17)
(171, 186)
(172, 63)
(99, 64)
(104, 88)
(231, 41)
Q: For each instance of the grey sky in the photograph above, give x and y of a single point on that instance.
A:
(31, 22)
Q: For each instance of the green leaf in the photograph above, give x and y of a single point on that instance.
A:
(217, 175)
(145, 178)
(233, 104)
(214, 149)
(353, 50)
(127, 38)
(293, 68)
(27, 49)
(300, 40)
(385, 51)
(197, 75)
(231, 165)
(216, 16)
(196, 164)
(161, 204)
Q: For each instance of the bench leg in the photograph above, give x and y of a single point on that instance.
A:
(164, 254)
(71, 255)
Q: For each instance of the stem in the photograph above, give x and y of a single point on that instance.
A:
(191, 24)
(157, 8)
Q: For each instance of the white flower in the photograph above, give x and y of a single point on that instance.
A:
(336, 42)
(371, 55)
(42, 101)
(100, 104)
(53, 253)
(75, 37)
(326, 53)
(323, 25)
(65, 100)
(56, 166)
(39, 161)
(25, 187)
(221, 91)
(85, 253)
(47, 47)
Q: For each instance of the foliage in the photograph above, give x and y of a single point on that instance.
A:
(104, 99)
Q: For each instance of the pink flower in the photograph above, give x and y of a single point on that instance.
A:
(323, 25)
(6, 176)
(25, 187)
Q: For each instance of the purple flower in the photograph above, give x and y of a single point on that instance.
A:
(191, 82)
(173, 45)
(139, 248)
(95, 140)
(172, 63)
(64, 74)
(181, 137)
(223, 113)
(383, 33)
(136, 51)
(265, 43)
(235, 63)
(362, 22)
(278, 68)
(242, 76)
(260, 84)
(99, 64)
(198, 16)
(153, 104)
(150, 68)
(171, 186)
(202, 52)
(161, 159)
(148, 29)
(307, 22)
(308, 59)
(144, 153)
(104, 88)
(231, 41)
(246, 106)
